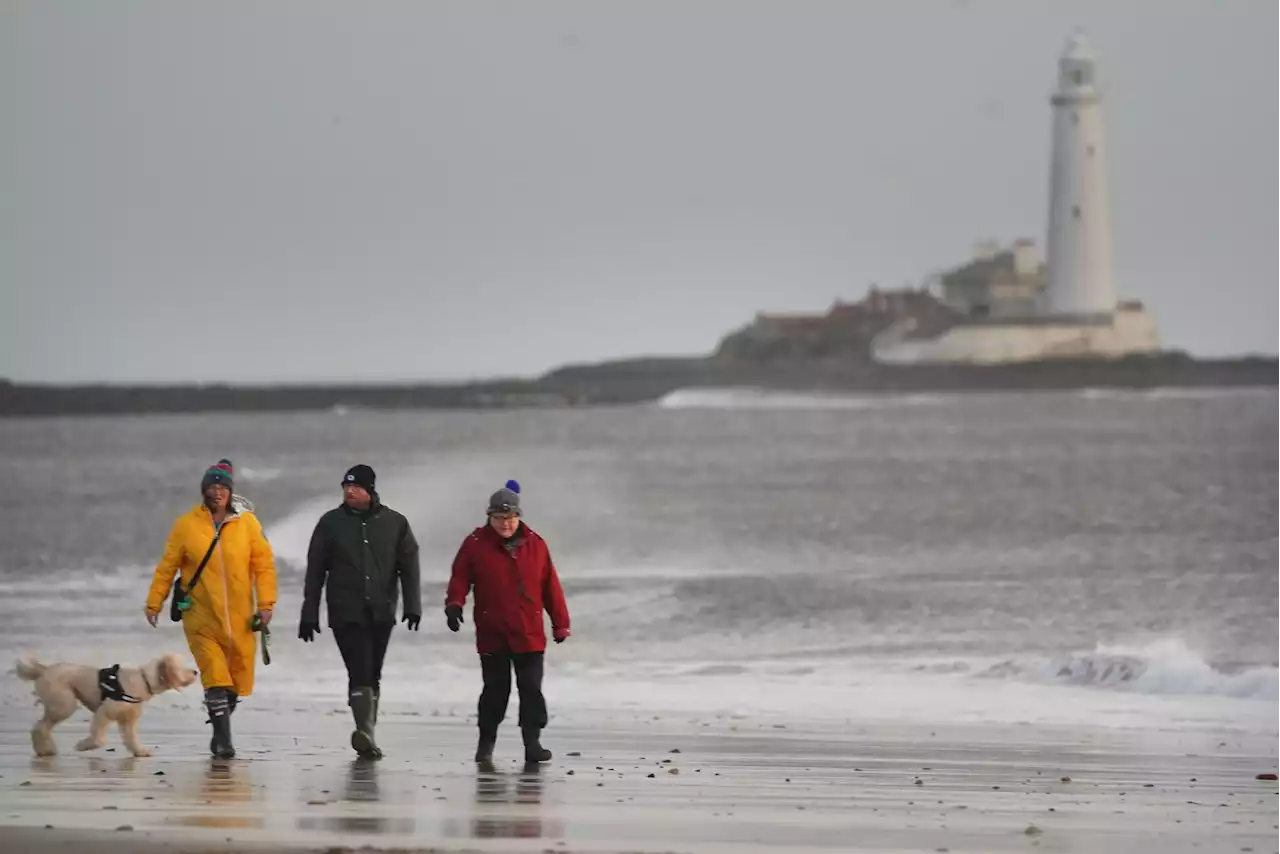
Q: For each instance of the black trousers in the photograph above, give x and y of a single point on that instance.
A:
(363, 648)
(496, 668)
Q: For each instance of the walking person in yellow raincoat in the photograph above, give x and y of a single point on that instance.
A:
(219, 624)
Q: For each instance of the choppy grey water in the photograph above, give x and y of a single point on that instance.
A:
(1047, 554)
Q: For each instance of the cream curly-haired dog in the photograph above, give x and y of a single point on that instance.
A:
(112, 694)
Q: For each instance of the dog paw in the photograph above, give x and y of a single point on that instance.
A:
(47, 751)
(87, 744)
(142, 752)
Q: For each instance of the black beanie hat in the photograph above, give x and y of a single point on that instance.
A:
(360, 475)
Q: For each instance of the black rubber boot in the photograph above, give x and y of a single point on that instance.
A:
(362, 709)
(218, 702)
(533, 749)
(377, 695)
(484, 748)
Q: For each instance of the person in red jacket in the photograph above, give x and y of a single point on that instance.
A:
(509, 568)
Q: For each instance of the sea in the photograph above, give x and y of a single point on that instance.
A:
(1094, 558)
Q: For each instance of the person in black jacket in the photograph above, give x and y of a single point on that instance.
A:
(363, 549)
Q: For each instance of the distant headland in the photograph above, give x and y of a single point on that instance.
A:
(830, 353)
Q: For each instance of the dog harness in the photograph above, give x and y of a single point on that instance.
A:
(109, 684)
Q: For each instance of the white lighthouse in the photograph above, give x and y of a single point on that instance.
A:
(1015, 310)
(1079, 235)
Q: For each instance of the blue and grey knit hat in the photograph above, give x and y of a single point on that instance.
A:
(506, 500)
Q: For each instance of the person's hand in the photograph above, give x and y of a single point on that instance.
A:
(265, 615)
(412, 620)
(559, 637)
(454, 615)
(307, 631)
(152, 618)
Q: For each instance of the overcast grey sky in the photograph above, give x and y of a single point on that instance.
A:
(392, 190)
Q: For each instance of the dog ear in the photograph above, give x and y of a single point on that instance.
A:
(168, 670)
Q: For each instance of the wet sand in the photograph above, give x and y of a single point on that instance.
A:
(639, 785)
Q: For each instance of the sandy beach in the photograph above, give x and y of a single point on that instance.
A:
(641, 785)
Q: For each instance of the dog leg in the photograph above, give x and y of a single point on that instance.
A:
(97, 730)
(42, 738)
(42, 733)
(128, 725)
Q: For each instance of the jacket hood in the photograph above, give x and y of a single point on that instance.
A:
(236, 507)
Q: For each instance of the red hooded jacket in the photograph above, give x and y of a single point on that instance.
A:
(512, 588)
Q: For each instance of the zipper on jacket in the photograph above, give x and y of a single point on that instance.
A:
(365, 553)
(226, 589)
(222, 570)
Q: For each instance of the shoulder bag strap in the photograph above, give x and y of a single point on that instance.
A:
(199, 569)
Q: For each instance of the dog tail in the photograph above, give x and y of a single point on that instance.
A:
(30, 670)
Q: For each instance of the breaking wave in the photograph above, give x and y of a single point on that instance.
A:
(261, 475)
(92, 583)
(1174, 393)
(756, 398)
(1164, 667)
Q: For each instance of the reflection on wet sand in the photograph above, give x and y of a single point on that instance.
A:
(125, 766)
(362, 780)
(224, 784)
(496, 787)
(362, 788)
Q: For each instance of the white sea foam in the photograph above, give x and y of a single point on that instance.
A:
(752, 398)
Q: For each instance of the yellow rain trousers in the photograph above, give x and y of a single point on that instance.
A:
(219, 623)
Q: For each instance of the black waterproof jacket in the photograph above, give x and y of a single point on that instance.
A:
(363, 559)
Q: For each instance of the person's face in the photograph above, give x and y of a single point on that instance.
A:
(505, 523)
(217, 496)
(356, 497)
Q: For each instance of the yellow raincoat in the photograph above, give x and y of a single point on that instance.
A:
(241, 568)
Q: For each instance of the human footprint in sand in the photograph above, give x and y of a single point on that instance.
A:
(509, 568)
(222, 540)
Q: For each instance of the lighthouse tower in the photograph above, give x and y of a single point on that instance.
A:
(1078, 254)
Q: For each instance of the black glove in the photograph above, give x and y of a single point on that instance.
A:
(559, 639)
(454, 614)
(413, 620)
(307, 631)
